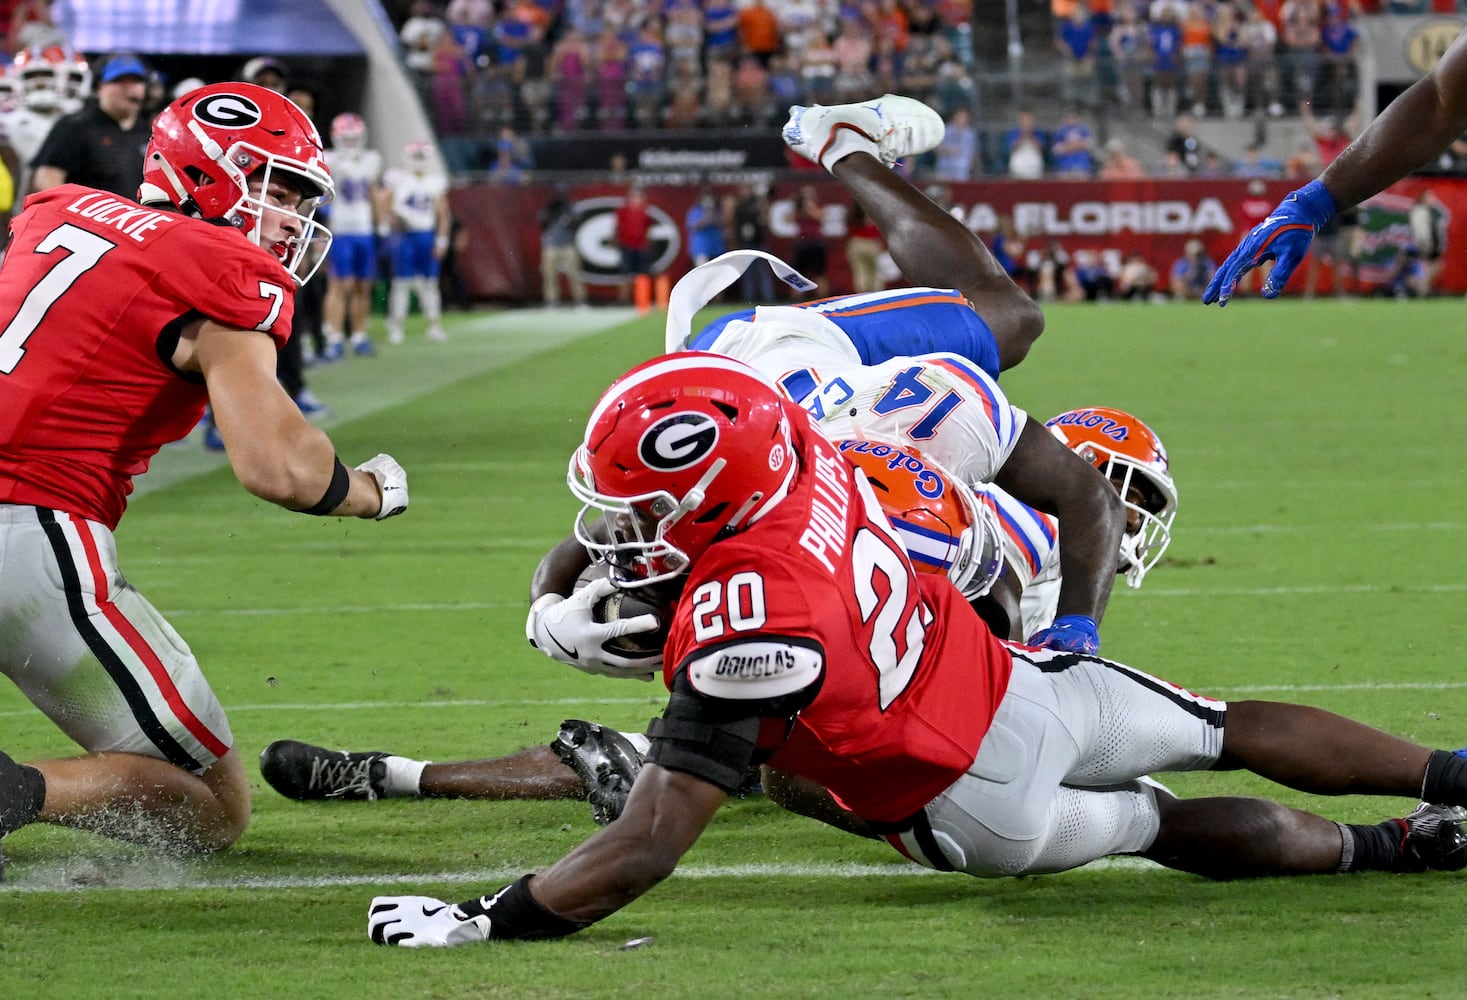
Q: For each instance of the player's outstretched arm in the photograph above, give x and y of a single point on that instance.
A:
(275, 452)
(1415, 127)
(1046, 475)
(665, 814)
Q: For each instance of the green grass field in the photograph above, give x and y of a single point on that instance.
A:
(1318, 557)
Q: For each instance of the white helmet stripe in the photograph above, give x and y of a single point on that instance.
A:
(671, 363)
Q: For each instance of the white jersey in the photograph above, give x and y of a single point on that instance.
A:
(1030, 537)
(782, 341)
(415, 199)
(23, 130)
(940, 404)
(356, 173)
(1031, 552)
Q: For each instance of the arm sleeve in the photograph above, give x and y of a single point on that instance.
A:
(718, 740)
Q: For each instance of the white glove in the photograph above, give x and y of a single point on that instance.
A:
(391, 480)
(422, 922)
(562, 628)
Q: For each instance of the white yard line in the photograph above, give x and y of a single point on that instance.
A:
(378, 609)
(654, 696)
(87, 876)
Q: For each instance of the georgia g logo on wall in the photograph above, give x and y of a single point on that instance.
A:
(678, 441)
(594, 223)
(228, 111)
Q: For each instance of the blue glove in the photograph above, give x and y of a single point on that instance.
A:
(1284, 238)
(1069, 634)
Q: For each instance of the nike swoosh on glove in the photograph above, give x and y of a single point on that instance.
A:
(1069, 634)
(391, 480)
(1284, 238)
(422, 922)
(565, 629)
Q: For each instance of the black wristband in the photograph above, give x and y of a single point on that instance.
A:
(514, 913)
(335, 493)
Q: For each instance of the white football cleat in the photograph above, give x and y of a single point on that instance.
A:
(889, 128)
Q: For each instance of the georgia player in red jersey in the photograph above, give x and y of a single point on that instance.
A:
(804, 638)
(119, 321)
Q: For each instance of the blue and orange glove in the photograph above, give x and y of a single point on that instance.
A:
(1069, 634)
(1284, 238)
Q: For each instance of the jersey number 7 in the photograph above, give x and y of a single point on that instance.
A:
(83, 250)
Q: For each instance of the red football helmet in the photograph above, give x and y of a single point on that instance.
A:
(348, 131)
(680, 451)
(208, 144)
(945, 530)
(1133, 458)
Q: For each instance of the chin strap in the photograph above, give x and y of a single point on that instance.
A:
(181, 198)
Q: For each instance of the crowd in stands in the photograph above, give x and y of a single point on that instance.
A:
(1210, 57)
(491, 70)
(538, 65)
(542, 65)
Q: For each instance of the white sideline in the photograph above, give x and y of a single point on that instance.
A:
(377, 609)
(179, 876)
(654, 697)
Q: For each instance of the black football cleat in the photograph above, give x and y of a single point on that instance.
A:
(606, 762)
(302, 771)
(1435, 839)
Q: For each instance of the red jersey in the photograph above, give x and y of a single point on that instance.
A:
(818, 595)
(1331, 146)
(94, 290)
(633, 227)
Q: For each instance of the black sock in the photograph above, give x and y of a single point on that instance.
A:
(1372, 846)
(1446, 779)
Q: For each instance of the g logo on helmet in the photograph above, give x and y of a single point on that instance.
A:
(678, 441)
(231, 111)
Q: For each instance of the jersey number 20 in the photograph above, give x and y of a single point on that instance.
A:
(889, 606)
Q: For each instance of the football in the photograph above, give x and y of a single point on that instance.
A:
(653, 600)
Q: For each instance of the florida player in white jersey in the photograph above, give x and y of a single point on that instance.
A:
(804, 638)
(119, 321)
(917, 365)
(419, 199)
(49, 83)
(962, 301)
(947, 406)
(358, 217)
